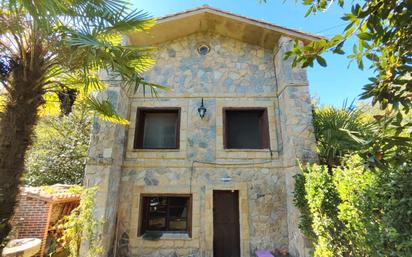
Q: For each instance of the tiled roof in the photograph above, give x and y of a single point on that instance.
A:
(54, 193)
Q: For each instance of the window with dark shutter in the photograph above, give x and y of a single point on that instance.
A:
(246, 128)
(157, 128)
(166, 213)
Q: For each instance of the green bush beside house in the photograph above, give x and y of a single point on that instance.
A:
(355, 208)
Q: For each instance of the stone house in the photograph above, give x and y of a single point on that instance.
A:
(207, 167)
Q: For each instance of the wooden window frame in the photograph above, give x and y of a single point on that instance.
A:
(140, 120)
(264, 127)
(143, 213)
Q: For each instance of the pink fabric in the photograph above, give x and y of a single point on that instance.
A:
(263, 253)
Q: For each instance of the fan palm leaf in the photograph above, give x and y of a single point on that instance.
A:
(54, 50)
(339, 131)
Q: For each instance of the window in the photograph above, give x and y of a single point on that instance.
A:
(245, 128)
(203, 49)
(166, 213)
(157, 128)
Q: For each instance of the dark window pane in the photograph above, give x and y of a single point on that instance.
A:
(244, 129)
(158, 209)
(165, 213)
(160, 130)
(178, 216)
(157, 218)
(178, 212)
(155, 201)
(177, 224)
(181, 201)
(157, 223)
(157, 213)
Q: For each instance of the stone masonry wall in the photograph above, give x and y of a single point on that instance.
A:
(103, 169)
(233, 74)
(265, 212)
(298, 140)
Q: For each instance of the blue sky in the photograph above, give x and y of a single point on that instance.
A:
(333, 84)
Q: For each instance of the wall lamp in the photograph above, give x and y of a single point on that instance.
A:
(202, 110)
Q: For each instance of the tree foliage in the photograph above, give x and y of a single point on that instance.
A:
(340, 131)
(382, 34)
(360, 205)
(382, 30)
(52, 51)
(58, 154)
(76, 40)
(391, 143)
(81, 226)
(382, 140)
(355, 211)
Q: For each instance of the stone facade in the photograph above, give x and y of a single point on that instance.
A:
(232, 74)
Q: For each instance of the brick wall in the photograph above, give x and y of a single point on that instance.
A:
(30, 219)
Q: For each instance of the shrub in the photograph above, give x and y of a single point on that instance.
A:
(81, 225)
(354, 211)
(319, 201)
(352, 182)
(390, 210)
(59, 152)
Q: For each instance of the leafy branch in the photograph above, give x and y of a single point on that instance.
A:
(382, 30)
(81, 225)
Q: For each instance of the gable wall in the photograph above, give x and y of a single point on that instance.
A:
(233, 74)
(231, 67)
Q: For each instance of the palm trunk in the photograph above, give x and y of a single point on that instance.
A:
(16, 129)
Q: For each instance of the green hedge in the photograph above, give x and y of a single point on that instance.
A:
(352, 211)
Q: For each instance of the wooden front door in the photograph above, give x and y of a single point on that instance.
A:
(226, 237)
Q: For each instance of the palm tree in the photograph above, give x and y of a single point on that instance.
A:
(57, 47)
(340, 131)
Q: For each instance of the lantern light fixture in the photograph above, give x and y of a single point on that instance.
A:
(202, 110)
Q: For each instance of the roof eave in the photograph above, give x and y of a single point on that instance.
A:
(195, 20)
(267, 25)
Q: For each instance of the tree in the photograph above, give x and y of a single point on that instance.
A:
(382, 30)
(58, 154)
(57, 47)
(382, 33)
(339, 131)
(371, 196)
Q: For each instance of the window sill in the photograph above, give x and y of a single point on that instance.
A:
(172, 236)
(156, 150)
(248, 150)
(262, 154)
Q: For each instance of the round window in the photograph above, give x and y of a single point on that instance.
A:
(203, 49)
